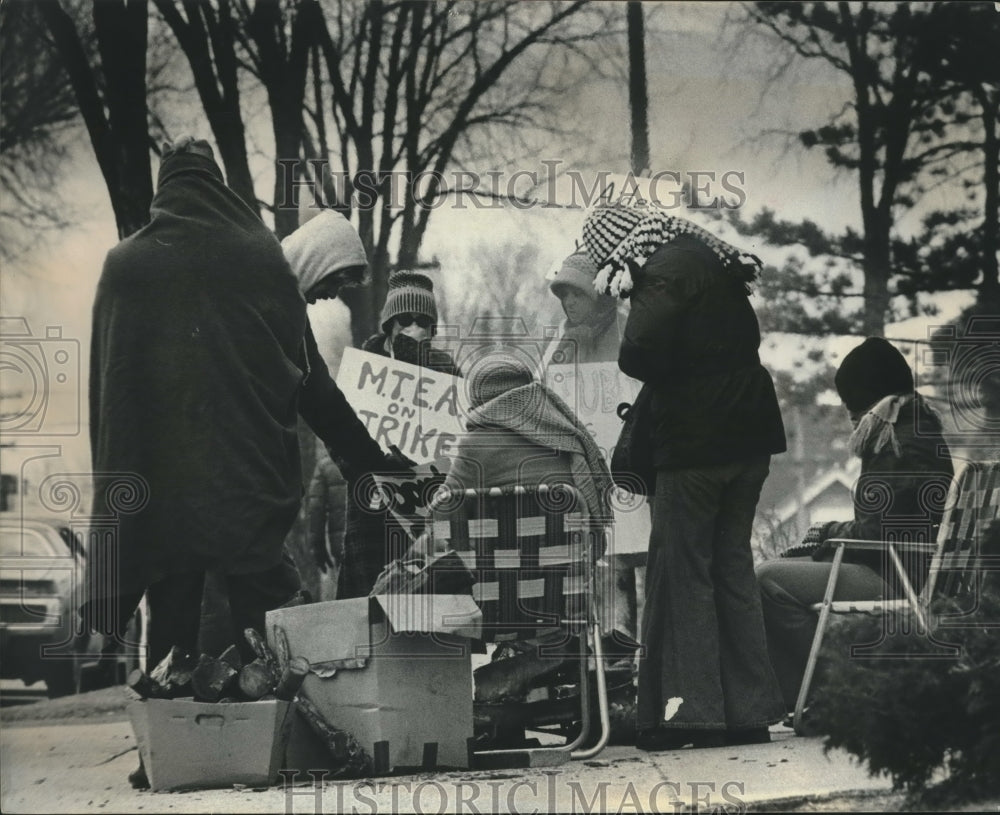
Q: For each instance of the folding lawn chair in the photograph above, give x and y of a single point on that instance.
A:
(956, 567)
(532, 550)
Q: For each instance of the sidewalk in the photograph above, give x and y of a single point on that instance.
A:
(83, 767)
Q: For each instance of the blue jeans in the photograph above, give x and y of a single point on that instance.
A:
(706, 664)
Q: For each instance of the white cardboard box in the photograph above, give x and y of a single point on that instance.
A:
(196, 745)
(393, 670)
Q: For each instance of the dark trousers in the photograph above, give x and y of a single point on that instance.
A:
(788, 588)
(205, 612)
(706, 663)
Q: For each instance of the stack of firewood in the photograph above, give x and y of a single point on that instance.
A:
(270, 675)
(225, 678)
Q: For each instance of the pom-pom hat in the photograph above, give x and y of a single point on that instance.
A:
(409, 293)
(620, 238)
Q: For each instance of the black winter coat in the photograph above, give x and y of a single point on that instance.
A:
(900, 497)
(693, 336)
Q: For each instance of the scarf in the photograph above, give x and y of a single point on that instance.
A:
(535, 412)
(619, 239)
(876, 428)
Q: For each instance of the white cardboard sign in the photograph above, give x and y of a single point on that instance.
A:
(420, 411)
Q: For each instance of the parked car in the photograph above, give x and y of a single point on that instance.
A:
(41, 584)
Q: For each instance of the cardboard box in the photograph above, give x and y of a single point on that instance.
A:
(195, 745)
(394, 671)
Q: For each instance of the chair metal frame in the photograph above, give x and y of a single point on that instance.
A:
(574, 532)
(972, 503)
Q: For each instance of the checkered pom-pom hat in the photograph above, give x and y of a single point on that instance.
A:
(619, 239)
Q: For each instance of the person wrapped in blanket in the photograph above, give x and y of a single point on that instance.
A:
(202, 362)
(905, 472)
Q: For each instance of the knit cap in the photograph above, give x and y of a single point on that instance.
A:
(493, 376)
(409, 292)
(578, 272)
(870, 372)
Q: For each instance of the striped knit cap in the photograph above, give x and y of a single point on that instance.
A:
(409, 293)
(619, 239)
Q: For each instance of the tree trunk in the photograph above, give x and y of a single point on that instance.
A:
(876, 289)
(637, 94)
(214, 72)
(120, 138)
(287, 139)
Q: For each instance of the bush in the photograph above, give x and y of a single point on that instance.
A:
(907, 709)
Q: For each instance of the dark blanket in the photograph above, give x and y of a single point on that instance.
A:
(197, 358)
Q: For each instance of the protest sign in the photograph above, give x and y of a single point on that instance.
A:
(418, 410)
(594, 390)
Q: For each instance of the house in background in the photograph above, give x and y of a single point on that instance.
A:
(827, 497)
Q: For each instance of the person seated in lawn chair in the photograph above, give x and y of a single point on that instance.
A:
(521, 434)
(898, 438)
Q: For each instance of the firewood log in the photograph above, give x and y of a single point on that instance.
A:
(211, 678)
(231, 656)
(256, 679)
(144, 686)
(173, 673)
(349, 760)
(281, 650)
(263, 653)
(292, 678)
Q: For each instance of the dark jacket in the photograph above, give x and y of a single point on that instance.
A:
(693, 336)
(900, 497)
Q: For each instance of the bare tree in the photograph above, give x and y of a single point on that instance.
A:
(207, 34)
(38, 109)
(111, 97)
(410, 83)
(277, 37)
(638, 96)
